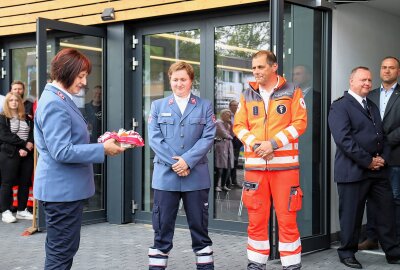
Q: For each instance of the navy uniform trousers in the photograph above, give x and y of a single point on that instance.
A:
(379, 195)
(63, 226)
(165, 209)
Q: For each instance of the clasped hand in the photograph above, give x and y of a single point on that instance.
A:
(265, 150)
(377, 163)
(180, 167)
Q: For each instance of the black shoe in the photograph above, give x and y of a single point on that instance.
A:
(393, 260)
(351, 262)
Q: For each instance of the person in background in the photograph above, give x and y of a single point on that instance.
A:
(18, 87)
(16, 157)
(271, 116)
(387, 98)
(93, 113)
(64, 172)
(181, 132)
(237, 144)
(224, 159)
(360, 169)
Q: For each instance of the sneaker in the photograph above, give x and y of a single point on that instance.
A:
(24, 215)
(225, 188)
(8, 217)
(218, 189)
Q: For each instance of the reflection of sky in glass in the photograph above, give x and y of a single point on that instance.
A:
(234, 46)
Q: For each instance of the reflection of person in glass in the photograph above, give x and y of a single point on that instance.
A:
(309, 149)
(64, 173)
(237, 144)
(223, 150)
(270, 118)
(93, 113)
(181, 132)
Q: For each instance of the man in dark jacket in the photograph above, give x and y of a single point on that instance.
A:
(360, 169)
(387, 98)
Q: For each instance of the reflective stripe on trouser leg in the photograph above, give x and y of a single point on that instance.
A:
(157, 259)
(204, 258)
(289, 236)
(257, 201)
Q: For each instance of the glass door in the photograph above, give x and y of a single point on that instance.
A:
(53, 36)
(303, 65)
(220, 48)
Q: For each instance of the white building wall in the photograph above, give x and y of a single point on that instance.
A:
(361, 36)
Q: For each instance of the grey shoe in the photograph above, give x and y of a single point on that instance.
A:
(256, 266)
(292, 267)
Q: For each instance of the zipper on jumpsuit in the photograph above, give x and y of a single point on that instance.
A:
(266, 120)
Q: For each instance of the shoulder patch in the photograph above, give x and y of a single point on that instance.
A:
(339, 98)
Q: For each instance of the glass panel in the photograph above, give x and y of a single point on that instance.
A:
(90, 103)
(160, 51)
(301, 47)
(234, 46)
(23, 64)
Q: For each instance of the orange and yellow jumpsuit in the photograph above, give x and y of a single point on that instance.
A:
(282, 124)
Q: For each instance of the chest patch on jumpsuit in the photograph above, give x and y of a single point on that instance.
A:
(281, 109)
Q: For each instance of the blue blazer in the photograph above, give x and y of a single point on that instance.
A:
(64, 170)
(190, 136)
(358, 137)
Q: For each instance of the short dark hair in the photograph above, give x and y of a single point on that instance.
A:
(271, 58)
(18, 82)
(181, 65)
(67, 64)
(392, 57)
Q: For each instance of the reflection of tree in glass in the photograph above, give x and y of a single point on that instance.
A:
(253, 36)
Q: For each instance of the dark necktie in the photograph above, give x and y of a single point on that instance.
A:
(364, 102)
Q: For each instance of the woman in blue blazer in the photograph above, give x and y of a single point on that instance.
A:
(64, 173)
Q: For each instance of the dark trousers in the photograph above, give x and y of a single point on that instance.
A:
(394, 177)
(15, 170)
(352, 198)
(165, 209)
(63, 225)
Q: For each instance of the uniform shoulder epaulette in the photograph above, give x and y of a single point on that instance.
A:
(339, 98)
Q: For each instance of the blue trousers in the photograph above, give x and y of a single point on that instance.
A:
(63, 225)
(165, 209)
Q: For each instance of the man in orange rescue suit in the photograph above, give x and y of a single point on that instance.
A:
(270, 118)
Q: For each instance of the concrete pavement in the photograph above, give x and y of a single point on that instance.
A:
(121, 247)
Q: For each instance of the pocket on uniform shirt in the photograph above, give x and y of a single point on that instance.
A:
(197, 126)
(167, 126)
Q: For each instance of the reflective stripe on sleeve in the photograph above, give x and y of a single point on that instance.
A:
(250, 139)
(242, 133)
(293, 131)
(282, 137)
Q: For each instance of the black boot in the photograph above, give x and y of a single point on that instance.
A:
(292, 267)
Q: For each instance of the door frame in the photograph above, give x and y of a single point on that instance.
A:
(42, 25)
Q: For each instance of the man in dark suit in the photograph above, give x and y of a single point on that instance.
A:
(387, 98)
(360, 169)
